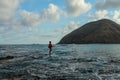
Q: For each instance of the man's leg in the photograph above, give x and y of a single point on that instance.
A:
(50, 52)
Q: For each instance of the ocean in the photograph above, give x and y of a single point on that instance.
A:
(67, 62)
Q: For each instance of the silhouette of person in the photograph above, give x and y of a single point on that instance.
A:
(50, 48)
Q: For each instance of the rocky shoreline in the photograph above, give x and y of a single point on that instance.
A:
(72, 69)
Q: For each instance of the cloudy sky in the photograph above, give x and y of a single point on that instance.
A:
(41, 21)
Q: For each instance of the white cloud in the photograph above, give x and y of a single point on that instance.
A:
(116, 16)
(99, 15)
(68, 28)
(108, 4)
(29, 18)
(14, 19)
(7, 10)
(51, 14)
(72, 26)
(77, 7)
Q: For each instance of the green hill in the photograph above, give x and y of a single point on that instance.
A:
(101, 31)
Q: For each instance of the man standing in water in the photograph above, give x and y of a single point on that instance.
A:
(50, 48)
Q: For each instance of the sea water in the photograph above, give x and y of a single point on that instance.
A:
(67, 62)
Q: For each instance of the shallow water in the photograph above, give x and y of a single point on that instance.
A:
(68, 62)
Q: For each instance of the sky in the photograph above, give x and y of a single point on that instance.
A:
(41, 21)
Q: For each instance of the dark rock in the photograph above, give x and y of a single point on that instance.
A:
(101, 31)
(108, 71)
(115, 61)
(6, 58)
(84, 71)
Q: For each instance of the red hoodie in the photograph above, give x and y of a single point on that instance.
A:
(50, 46)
